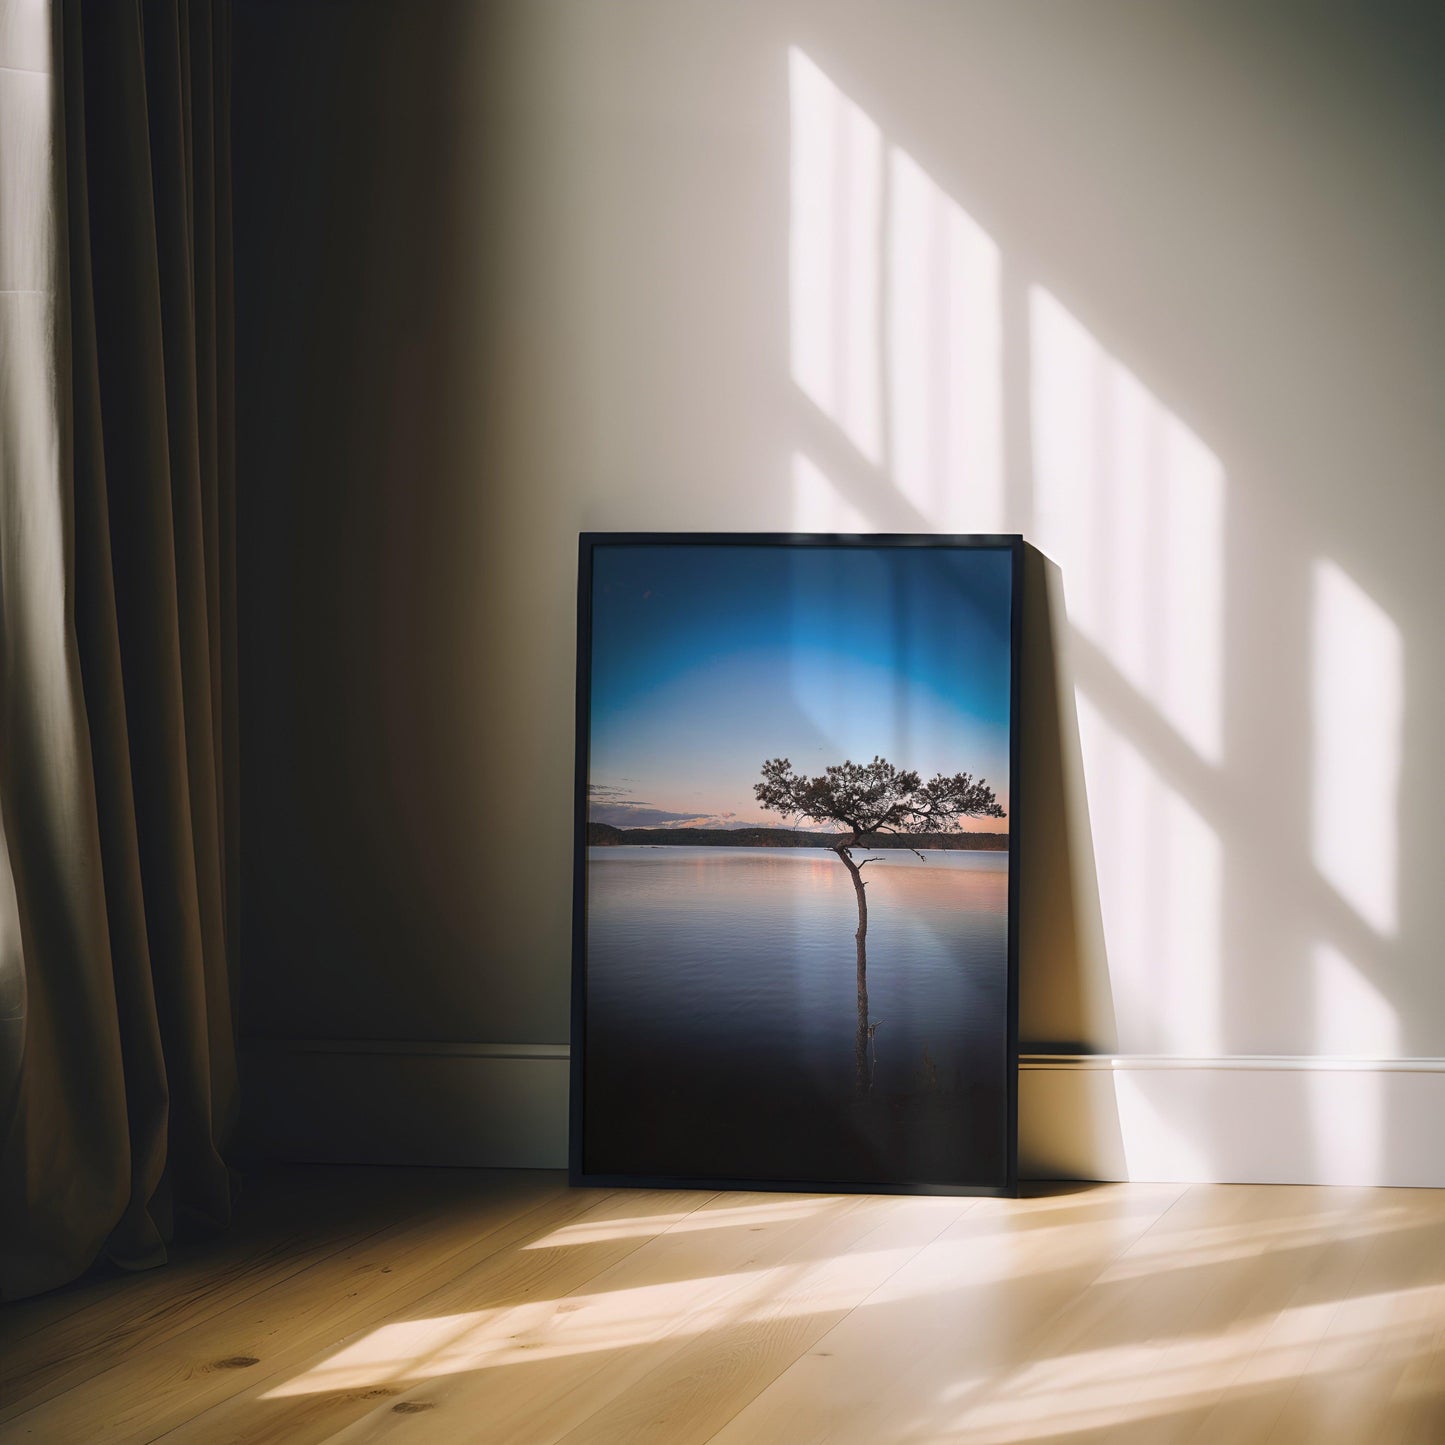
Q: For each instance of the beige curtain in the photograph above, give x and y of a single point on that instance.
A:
(117, 657)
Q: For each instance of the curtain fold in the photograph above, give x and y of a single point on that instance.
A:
(117, 754)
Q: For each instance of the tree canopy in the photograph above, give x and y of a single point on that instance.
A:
(875, 797)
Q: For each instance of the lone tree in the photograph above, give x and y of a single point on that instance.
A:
(870, 800)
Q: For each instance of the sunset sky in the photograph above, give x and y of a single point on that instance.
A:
(708, 660)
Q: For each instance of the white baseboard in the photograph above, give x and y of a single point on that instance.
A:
(1259, 1120)
(1295, 1120)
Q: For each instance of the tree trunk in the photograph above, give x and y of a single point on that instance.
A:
(860, 1042)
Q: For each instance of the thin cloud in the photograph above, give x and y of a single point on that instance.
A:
(608, 803)
(638, 815)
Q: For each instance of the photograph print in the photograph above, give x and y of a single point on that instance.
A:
(794, 937)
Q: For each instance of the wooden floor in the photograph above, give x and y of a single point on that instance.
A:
(447, 1306)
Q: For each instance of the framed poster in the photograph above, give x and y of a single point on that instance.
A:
(796, 922)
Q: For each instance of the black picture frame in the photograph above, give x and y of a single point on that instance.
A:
(589, 542)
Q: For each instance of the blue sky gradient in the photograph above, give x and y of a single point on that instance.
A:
(708, 660)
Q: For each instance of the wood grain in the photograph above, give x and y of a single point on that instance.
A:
(351, 1307)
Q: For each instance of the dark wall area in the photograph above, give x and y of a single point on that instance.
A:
(375, 832)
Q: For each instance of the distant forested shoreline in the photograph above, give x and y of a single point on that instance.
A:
(603, 835)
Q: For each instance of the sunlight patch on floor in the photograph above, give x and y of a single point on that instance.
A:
(599, 1320)
(1120, 1384)
(737, 1216)
(1222, 1243)
(580, 1323)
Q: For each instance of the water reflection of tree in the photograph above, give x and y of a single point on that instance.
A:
(872, 800)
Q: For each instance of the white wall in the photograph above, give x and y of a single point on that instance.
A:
(1156, 286)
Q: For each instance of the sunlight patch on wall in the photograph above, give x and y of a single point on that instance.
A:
(1353, 1019)
(1348, 1120)
(1155, 1147)
(1348, 1115)
(1161, 878)
(1130, 504)
(836, 170)
(1358, 710)
(818, 505)
(891, 260)
(944, 350)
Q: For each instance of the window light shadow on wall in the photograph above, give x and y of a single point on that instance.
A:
(1353, 1019)
(900, 317)
(836, 183)
(1130, 503)
(1161, 877)
(1347, 1108)
(944, 355)
(1156, 1146)
(1357, 716)
(895, 315)
(1357, 712)
(818, 505)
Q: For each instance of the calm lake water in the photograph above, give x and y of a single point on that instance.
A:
(722, 1009)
